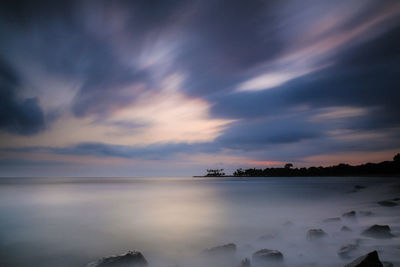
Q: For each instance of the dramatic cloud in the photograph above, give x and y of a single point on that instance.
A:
(17, 115)
(192, 82)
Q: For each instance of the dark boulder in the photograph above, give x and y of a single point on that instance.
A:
(387, 264)
(369, 260)
(387, 203)
(378, 231)
(244, 263)
(265, 256)
(314, 234)
(130, 259)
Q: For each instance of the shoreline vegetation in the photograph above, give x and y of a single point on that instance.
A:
(384, 168)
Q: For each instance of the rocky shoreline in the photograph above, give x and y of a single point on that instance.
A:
(226, 255)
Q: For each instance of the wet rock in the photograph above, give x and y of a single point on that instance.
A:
(345, 229)
(314, 234)
(346, 250)
(378, 231)
(365, 213)
(350, 214)
(334, 219)
(130, 259)
(387, 203)
(244, 263)
(265, 256)
(224, 250)
(369, 260)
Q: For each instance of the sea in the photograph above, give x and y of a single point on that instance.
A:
(171, 221)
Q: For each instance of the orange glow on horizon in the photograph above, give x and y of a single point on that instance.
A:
(266, 163)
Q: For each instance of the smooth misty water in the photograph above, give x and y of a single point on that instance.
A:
(72, 221)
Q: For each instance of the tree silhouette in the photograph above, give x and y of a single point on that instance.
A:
(288, 165)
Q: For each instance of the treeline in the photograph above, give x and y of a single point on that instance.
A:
(382, 168)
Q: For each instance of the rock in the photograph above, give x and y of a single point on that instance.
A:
(345, 229)
(350, 214)
(369, 260)
(378, 231)
(387, 203)
(224, 250)
(244, 263)
(334, 219)
(387, 264)
(267, 256)
(314, 234)
(365, 213)
(346, 250)
(130, 259)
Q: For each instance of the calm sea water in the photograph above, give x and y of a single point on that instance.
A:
(72, 221)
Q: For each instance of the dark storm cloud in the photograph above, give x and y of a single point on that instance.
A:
(258, 134)
(77, 39)
(367, 76)
(17, 115)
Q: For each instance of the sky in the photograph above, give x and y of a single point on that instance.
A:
(171, 88)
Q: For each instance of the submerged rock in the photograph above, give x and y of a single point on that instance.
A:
(345, 229)
(378, 231)
(334, 219)
(130, 259)
(369, 260)
(387, 203)
(314, 234)
(244, 263)
(227, 249)
(350, 214)
(267, 256)
(387, 264)
(346, 250)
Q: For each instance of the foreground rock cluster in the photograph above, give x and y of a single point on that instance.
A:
(225, 255)
(130, 259)
(260, 258)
